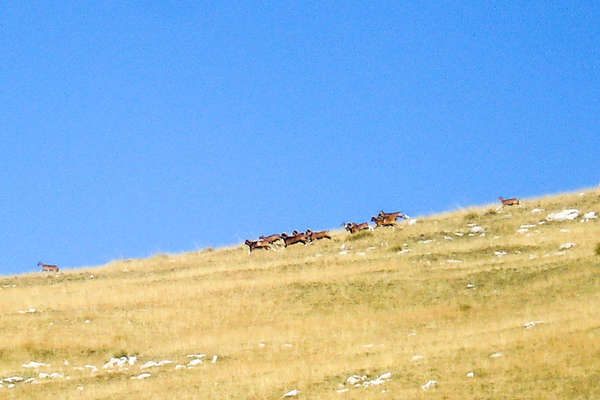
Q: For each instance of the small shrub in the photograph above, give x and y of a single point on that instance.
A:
(491, 211)
(395, 249)
(464, 307)
(120, 353)
(360, 235)
(598, 249)
(471, 216)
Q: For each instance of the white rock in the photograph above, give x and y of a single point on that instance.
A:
(429, 385)
(477, 229)
(459, 234)
(342, 390)
(343, 252)
(537, 210)
(500, 253)
(417, 358)
(79, 387)
(448, 237)
(354, 379)
(10, 386)
(141, 376)
(387, 375)
(470, 286)
(565, 230)
(564, 215)
(412, 221)
(93, 368)
(361, 253)
(194, 362)
(496, 355)
(291, 393)
(566, 246)
(590, 215)
(371, 248)
(179, 366)
(427, 241)
(200, 355)
(214, 359)
(13, 379)
(531, 324)
(35, 364)
(470, 374)
(528, 226)
(451, 261)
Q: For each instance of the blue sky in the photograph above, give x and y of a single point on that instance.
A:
(129, 129)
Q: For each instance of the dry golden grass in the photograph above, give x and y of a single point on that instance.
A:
(309, 317)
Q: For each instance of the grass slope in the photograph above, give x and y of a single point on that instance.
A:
(431, 301)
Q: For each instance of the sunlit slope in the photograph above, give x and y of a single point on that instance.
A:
(479, 303)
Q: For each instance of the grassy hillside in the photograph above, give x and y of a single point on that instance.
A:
(483, 302)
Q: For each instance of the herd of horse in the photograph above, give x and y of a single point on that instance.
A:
(266, 242)
(382, 219)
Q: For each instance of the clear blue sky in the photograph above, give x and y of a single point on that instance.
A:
(129, 129)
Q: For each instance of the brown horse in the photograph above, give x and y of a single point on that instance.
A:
(317, 235)
(47, 267)
(353, 227)
(509, 202)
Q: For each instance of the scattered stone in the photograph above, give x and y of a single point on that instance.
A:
(141, 376)
(93, 368)
(459, 234)
(343, 252)
(342, 390)
(531, 324)
(291, 393)
(451, 261)
(565, 230)
(13, 379)
(194, 362)
(429, 385)
(150, 364)
(198, 355)
(589, 215)
(470, 286)
(427, 241)
(564, 215)
(120, 362)
(31, 310)
(477, 229)
(500, 253)
(180, 366)
(537, 210)
(34, 364)
(566, 246)
(448, 237)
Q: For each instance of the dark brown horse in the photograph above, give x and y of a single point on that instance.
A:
(257, 244)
